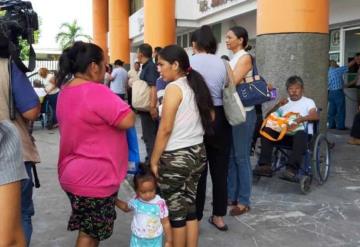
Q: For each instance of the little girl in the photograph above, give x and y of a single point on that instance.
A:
(150, 213)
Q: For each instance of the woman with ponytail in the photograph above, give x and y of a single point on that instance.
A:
(240, 171)
(93, 148)
(212, 68)
(179, 155)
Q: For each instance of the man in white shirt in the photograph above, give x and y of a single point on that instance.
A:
(118, 79)
(296, 103)
(133, 76)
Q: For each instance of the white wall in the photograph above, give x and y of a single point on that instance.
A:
(344, 11)
(190, 16)
(248, 21)
(136, 24)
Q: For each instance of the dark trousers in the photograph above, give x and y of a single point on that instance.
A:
(258, 123)
(27, 205)
(336, 113)
(52, 102)
(218, 151)
(121, 95)
(355, 129)
(129, 98)
(298, 142)
(149, 130)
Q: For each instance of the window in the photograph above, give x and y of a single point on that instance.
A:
(185, 41)
(135, 5)
(217, 31)
(178, 40)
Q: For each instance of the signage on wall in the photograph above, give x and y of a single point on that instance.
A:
(205, 5)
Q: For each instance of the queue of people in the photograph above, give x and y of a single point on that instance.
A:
(185, 131)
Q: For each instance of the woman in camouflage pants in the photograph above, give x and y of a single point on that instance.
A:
(179, 155)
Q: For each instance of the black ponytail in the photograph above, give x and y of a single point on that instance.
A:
(196, 82)
(76, 59)
(203, 99)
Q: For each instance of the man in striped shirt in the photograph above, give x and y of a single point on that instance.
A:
(12, 171)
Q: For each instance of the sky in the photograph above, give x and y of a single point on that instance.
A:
(53, 13)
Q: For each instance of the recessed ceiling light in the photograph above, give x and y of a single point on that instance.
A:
(357, 33)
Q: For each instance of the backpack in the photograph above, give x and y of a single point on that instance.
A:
(141, 95)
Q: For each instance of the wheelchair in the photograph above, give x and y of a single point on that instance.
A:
(316, 162)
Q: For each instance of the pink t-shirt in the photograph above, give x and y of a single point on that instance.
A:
(93, 152)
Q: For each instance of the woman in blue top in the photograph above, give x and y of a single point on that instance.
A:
(212, 68)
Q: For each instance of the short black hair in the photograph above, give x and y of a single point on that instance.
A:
(143, 175)
(204, 39)
(118, 62)
(225, 57)
(357, 54)
(146, 50)
(157, 49)
(292, 80)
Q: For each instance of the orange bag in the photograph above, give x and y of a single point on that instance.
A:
(278, 123)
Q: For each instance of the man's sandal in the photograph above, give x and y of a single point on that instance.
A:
(235, 211)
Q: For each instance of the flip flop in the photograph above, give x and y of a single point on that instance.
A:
(223, 228)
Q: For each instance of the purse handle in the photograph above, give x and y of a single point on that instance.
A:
(269, 137)
(255, 73)
(229, 74)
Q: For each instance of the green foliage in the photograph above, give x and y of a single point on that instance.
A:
(24, 46)
(70, 32)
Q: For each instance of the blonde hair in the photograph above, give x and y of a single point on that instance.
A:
(43, 72)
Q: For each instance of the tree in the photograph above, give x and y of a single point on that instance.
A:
(25, 47)
(70, 32)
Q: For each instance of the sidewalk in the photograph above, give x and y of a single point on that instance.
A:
(280, 215)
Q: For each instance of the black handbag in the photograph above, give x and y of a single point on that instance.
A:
(254, 91)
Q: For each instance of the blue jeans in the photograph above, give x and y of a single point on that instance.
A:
(336, 113)
(240, 171)
(27, 206)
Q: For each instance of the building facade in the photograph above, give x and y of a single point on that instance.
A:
(344, 23)
(164, 22)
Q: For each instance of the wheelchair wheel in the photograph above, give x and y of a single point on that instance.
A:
(321, 159)
(305, 184)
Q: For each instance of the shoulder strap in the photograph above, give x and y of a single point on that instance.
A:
(229, 74)
(254, 68)
(14, 53)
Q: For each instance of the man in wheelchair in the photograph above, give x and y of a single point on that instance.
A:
(298, 139)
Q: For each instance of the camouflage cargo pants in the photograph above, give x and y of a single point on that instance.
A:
(179, 173)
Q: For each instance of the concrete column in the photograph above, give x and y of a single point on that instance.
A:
(119, 30)
(159, 22)
(100, 23)
(292, 39)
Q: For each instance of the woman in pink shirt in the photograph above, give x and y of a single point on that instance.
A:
(93, 148)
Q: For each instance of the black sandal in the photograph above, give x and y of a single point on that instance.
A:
(222, 228)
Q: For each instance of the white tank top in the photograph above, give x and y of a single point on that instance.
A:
(233, 63)
(188, 130)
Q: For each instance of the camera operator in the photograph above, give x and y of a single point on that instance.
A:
(27, 108)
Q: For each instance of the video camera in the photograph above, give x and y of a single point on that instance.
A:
(17, 19)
